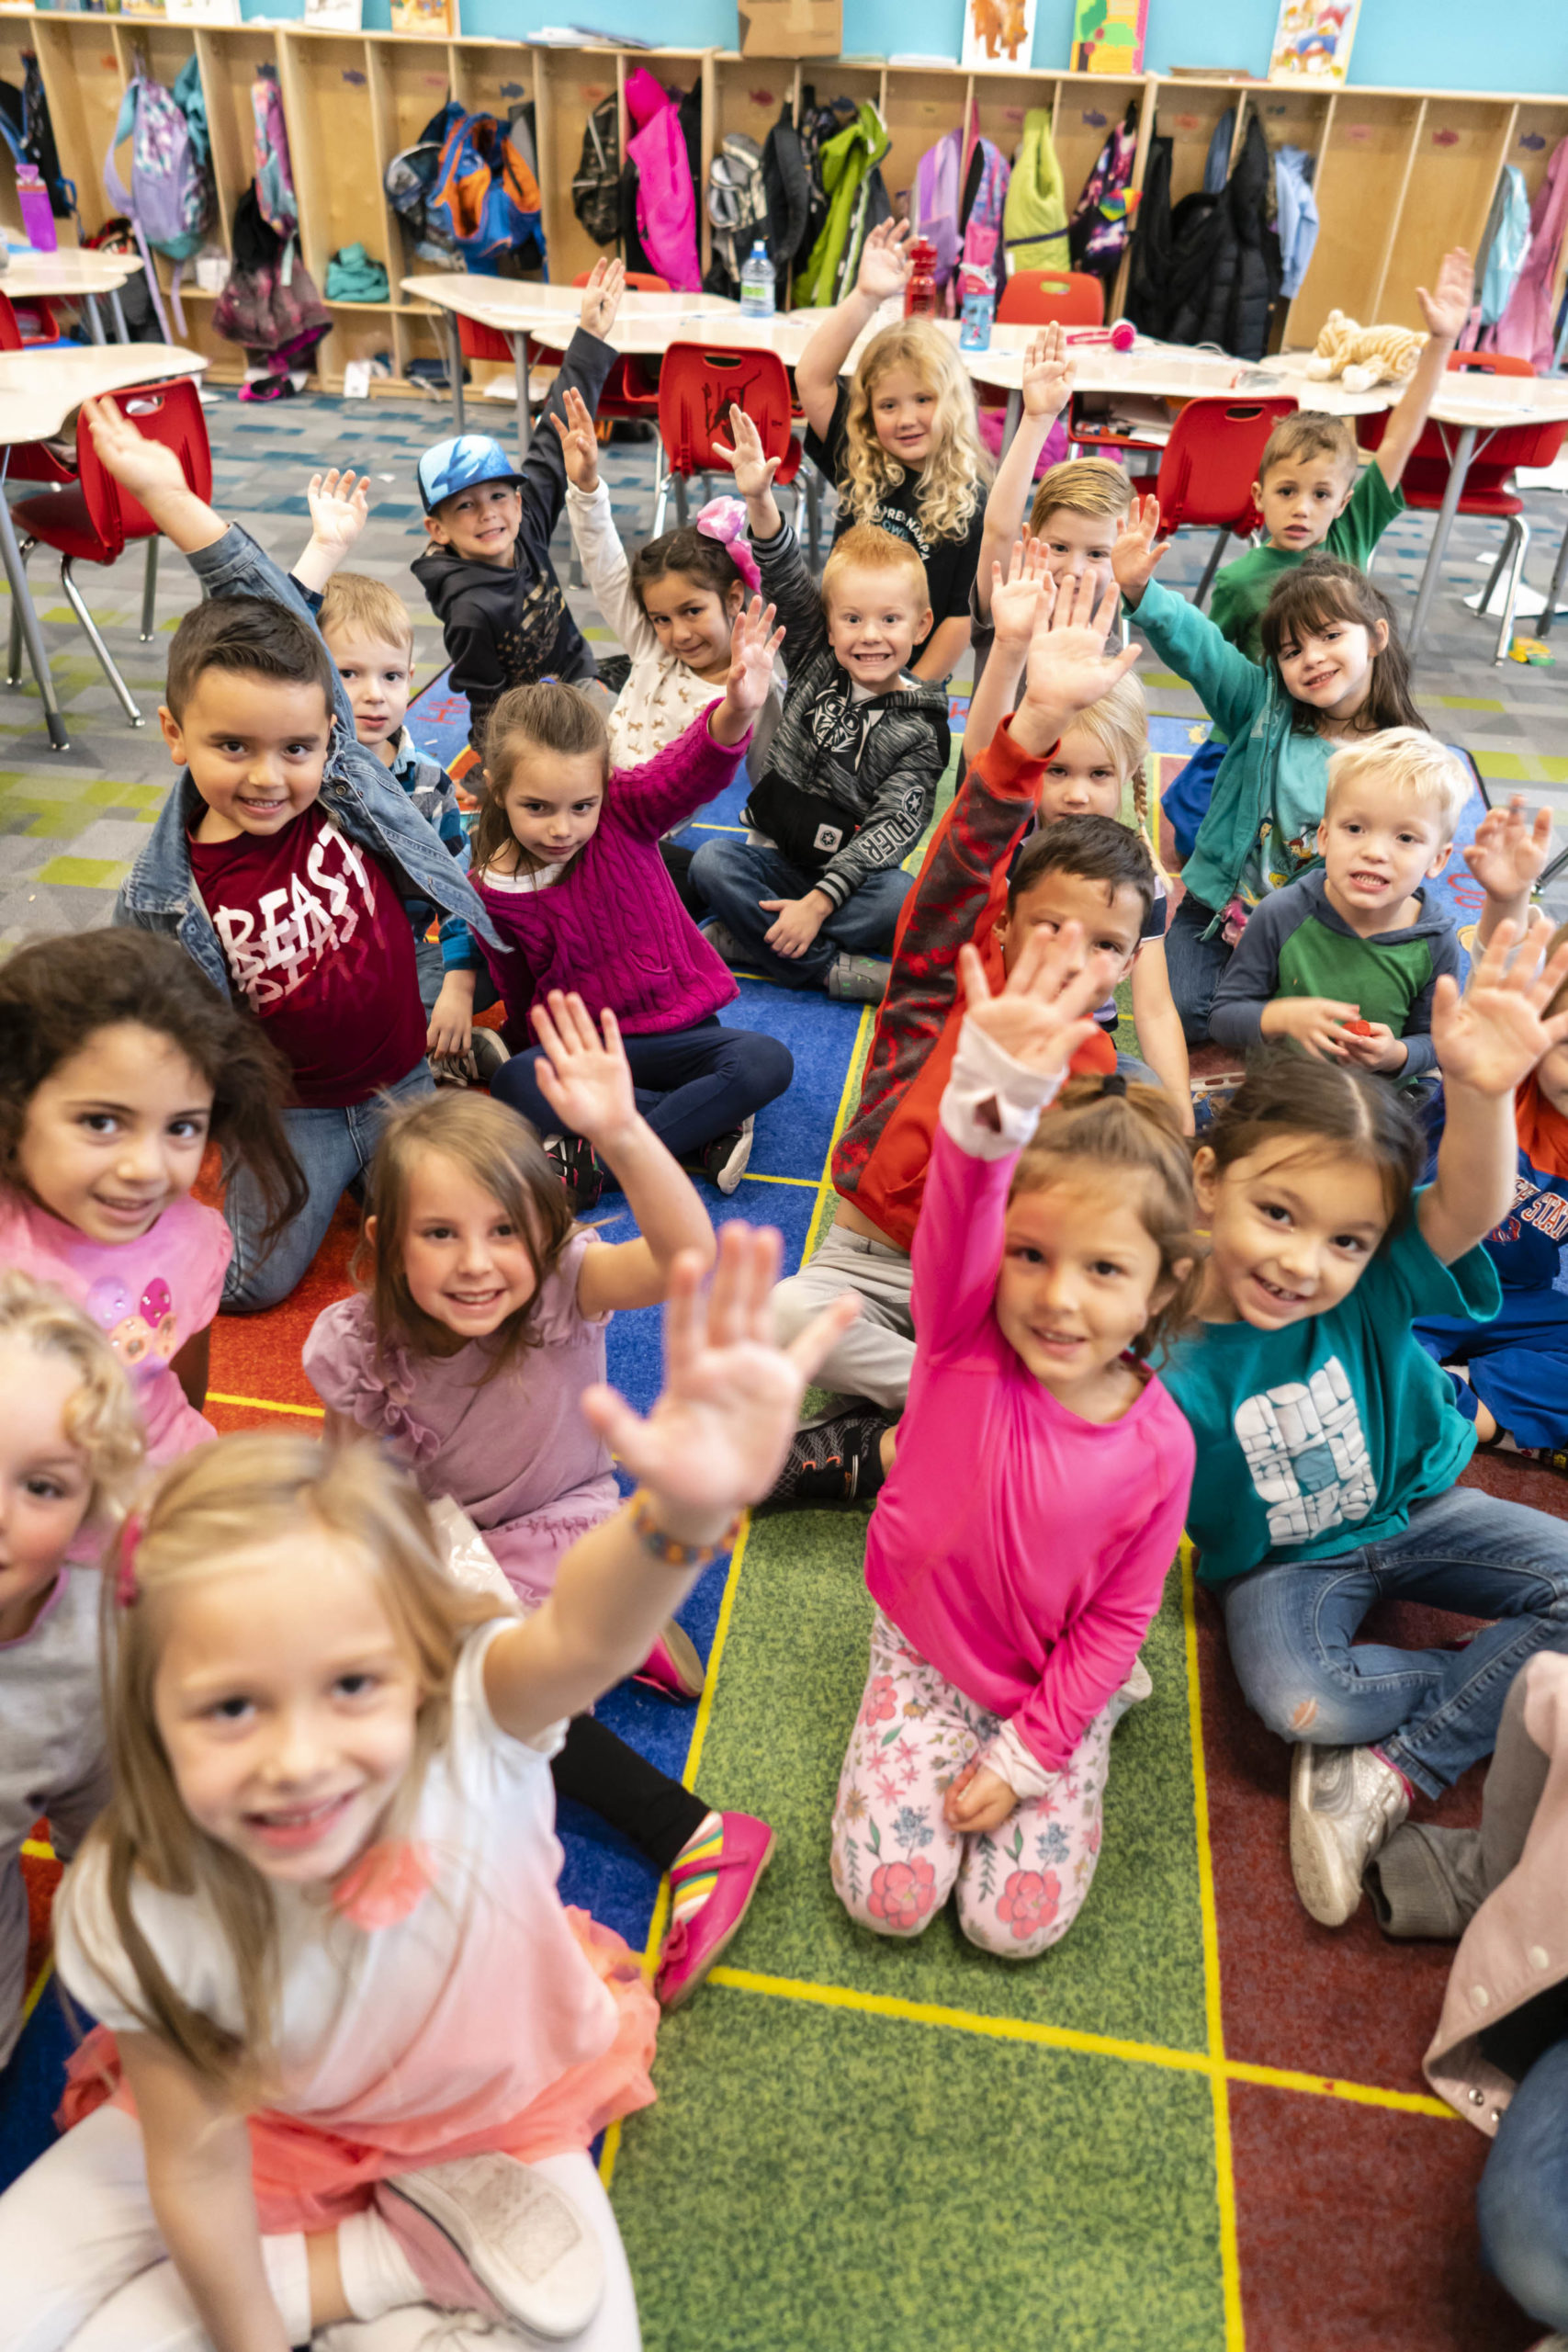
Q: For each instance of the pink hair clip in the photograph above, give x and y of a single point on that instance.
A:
(126, 1591)
(724, 519)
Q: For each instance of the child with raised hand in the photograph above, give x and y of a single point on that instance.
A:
(467, 1355)
(1020, 1546)
(282, 861)
(567, 865)
(366, 2045)
(1334, 670)
(899, 440)
(673, 607)
(1328, 1437)
(488, 574)
(119, 1063)
(70, 1447)
(848, 788)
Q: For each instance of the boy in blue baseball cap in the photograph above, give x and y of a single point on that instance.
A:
(488, 573)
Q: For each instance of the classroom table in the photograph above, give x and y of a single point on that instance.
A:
(75, 277)
(38, 389)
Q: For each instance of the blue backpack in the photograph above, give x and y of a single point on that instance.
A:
(484, 197)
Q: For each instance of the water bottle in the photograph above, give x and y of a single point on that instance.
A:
(756, 284)
(920, 296)
(38, 214)
(979, 310)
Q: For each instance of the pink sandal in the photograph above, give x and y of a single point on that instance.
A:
(694, 1943)
(672, 1665)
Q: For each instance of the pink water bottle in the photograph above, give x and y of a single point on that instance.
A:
(920, 299)
(38, 216)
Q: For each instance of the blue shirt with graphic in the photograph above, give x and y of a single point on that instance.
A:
(1320, 1437)
(1527, 1247)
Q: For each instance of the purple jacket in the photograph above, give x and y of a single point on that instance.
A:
(612, 928)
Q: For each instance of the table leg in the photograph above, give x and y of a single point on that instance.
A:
(521, 362)
(10, 556)
(89, 306)
(1012, 421)
(1440, 529)
(122, 332)
(454, 369)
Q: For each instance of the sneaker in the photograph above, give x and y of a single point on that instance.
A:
(694, 1943)
(723, 1162)
(859, 979)
(1345, 1803)
(489, 2234)
(487, 1053)
(579, 1171)
(673, 1665)
(835, 1460)
(723, 941)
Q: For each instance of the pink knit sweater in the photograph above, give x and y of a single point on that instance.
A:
(612, 928)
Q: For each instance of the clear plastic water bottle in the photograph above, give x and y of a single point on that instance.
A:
(756, 284)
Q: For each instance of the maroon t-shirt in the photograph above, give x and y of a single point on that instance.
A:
(319, 945)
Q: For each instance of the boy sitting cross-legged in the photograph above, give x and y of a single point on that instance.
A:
(488, 573)
(283, 859)
(849, 779)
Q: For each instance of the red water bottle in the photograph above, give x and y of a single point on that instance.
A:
(920, 299)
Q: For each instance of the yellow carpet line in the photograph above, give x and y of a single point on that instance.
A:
(847, 1099)
(1225, 2176)
(755, 1176)
(36, 1989)
(268, 1405)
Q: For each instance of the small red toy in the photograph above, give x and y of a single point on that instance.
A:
(1358, 1028)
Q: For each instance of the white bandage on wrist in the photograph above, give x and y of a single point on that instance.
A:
(991, 1104)
(1007, 1756)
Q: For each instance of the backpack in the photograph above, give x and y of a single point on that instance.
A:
(1101, 223)
(738, 207)
(936, 205)
(1036, 213)
(785, 189)
(408, 182)
(274, 176)
(170, 197)
(666, 198)
(27, 129)
(483, 196)
(596, 190)
(817, 125)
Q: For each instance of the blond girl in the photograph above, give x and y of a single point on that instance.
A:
(899, 439)
(70, 1446)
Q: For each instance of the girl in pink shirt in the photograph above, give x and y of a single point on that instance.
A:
(1020, 1545)
(121, 1063)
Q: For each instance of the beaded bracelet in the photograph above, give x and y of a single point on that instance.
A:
(665, 1549)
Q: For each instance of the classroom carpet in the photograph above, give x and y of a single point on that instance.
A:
(1198, 2125)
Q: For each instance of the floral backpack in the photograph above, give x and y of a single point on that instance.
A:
(275, 199)
(170, 198)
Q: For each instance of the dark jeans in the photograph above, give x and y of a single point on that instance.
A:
(595, 1769)
(734, 876)
(692, 1084)
(1195, 966)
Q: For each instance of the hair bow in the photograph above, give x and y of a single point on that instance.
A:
(126, 1591)
(724, 519)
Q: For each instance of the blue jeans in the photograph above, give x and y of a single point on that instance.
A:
(1519, 1365)
(691, 1084)
(1290, 1627)
(1522, 2203)
(1195, 966)
(333, 1147)
(732, 875)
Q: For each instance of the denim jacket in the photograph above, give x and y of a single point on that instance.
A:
(373, 810)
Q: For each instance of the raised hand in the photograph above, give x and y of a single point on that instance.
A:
(1068, 666)
(753, 472)
(885, 263)
(1492, 1037)
(1048, 373)
(143, 466)
(1447, 310)
(1134, 558)
(584, 1077)
(602, 294)
(340, 508)
(1510, 849)
(1017, 597)
(1041, 1016)
(716, 1439)
(753, 646)
(579, 442)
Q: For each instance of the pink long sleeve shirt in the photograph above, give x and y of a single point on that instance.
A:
(613, 927)
(1018, 1549)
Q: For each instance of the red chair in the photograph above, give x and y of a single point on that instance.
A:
(94, 519)
(697, 387)
(1489, 490)
(1033, 298)
(1210, 464)
(32, 460)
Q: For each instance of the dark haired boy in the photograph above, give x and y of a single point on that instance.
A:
(283, 859)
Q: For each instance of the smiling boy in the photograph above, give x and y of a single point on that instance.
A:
(1344, 961)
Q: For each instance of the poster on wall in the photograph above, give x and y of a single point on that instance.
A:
(1108, 36)
(998, 32)
(1312, 40)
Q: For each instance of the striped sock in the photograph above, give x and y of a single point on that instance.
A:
(693, 1873)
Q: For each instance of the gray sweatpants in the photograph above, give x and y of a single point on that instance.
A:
(1431, 1882)
(876, 1354)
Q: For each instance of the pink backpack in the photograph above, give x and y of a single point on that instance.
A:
(666, 200)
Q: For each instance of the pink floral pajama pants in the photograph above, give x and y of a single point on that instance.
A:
(895, 1859)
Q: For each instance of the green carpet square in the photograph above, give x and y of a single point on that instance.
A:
(855, 2171)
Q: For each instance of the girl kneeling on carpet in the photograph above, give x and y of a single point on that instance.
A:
(566, 861)
(1020, 1545)
(366, 2046)
(120, 1064)
(1328, 1437)
(480, 1328)
(70, 1451)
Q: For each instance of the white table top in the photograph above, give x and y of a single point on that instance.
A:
(66, 272)
(1464, 397)
(40, 388)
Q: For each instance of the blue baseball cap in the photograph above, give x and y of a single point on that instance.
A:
(457, 464)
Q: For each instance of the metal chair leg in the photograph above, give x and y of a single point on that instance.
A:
(75, 599)
(813, 517)
(661, 506)
(1519, 534)
(680, 481)
(1496, 571)
(14, 667)
(149, 592)
(1543, 628)
(1207, 582)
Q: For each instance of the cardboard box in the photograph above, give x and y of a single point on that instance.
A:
(791, 27)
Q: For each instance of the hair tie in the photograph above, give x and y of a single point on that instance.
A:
(1114, 1084)
(126, 1591)
(724, 519)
